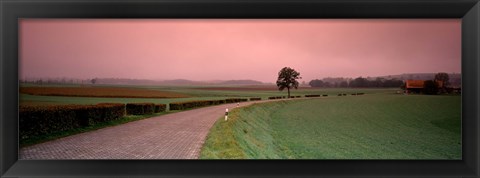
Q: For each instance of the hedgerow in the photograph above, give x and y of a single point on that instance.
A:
(194, 104)
(140, 108)
(40, 120)
(235, 100)
(160, 108)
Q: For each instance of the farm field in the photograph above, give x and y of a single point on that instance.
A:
(189, 93)
(264, 93)
(110, 92)
(372, 126)
(377, 125)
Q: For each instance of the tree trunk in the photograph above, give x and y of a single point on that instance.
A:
(288, 89)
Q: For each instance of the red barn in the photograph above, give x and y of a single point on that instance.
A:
(416, 86)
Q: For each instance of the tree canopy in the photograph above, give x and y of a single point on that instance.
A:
(442, 76)
(287, 78)
(358, 82)
(94, 80)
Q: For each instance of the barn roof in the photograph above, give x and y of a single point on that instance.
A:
(414, 83)
(420, 83)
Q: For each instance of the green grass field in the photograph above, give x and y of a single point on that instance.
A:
(372, 126)
(194, 91)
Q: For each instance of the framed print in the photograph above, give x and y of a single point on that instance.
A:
(239, 88)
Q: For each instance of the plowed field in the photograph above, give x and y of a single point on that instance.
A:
(109, 92)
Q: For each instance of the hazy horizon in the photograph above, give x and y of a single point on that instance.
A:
(206, 50)
(214, 80)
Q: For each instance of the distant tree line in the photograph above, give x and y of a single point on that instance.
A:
(359, 82)
(58, 81)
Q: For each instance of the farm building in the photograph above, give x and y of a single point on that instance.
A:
(417, 86)
(414, 86)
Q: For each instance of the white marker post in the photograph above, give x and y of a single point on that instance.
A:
(226, 114)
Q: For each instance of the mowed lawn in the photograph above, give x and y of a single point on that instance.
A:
(371, 126)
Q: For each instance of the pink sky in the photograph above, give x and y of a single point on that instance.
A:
(236, 49)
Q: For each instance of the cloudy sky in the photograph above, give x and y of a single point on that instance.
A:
(236, 49)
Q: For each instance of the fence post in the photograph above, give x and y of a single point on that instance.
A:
(226, 114)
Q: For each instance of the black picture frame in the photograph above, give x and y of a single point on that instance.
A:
(467, 10)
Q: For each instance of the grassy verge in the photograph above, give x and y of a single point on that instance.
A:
(57, 135)
(221, 142)
(380, 126)
(245, 135)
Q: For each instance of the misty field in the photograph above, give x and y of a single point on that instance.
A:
(375, 126)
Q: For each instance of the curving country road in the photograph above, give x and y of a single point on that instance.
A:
(171, 136)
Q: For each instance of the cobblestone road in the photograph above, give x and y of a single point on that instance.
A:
(172, 136)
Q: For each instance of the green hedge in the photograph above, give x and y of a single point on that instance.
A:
(255, 99)
(140, 108)
(40, 120)
(235, 100)
(360, 93)
(160, 108)
(275, 97)
(312, 95)
(106, 112)
(194, 104)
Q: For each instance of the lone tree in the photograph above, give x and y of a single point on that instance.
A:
(287, 78)
(94, 81)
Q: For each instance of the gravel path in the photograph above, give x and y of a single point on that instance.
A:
(171, 136)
